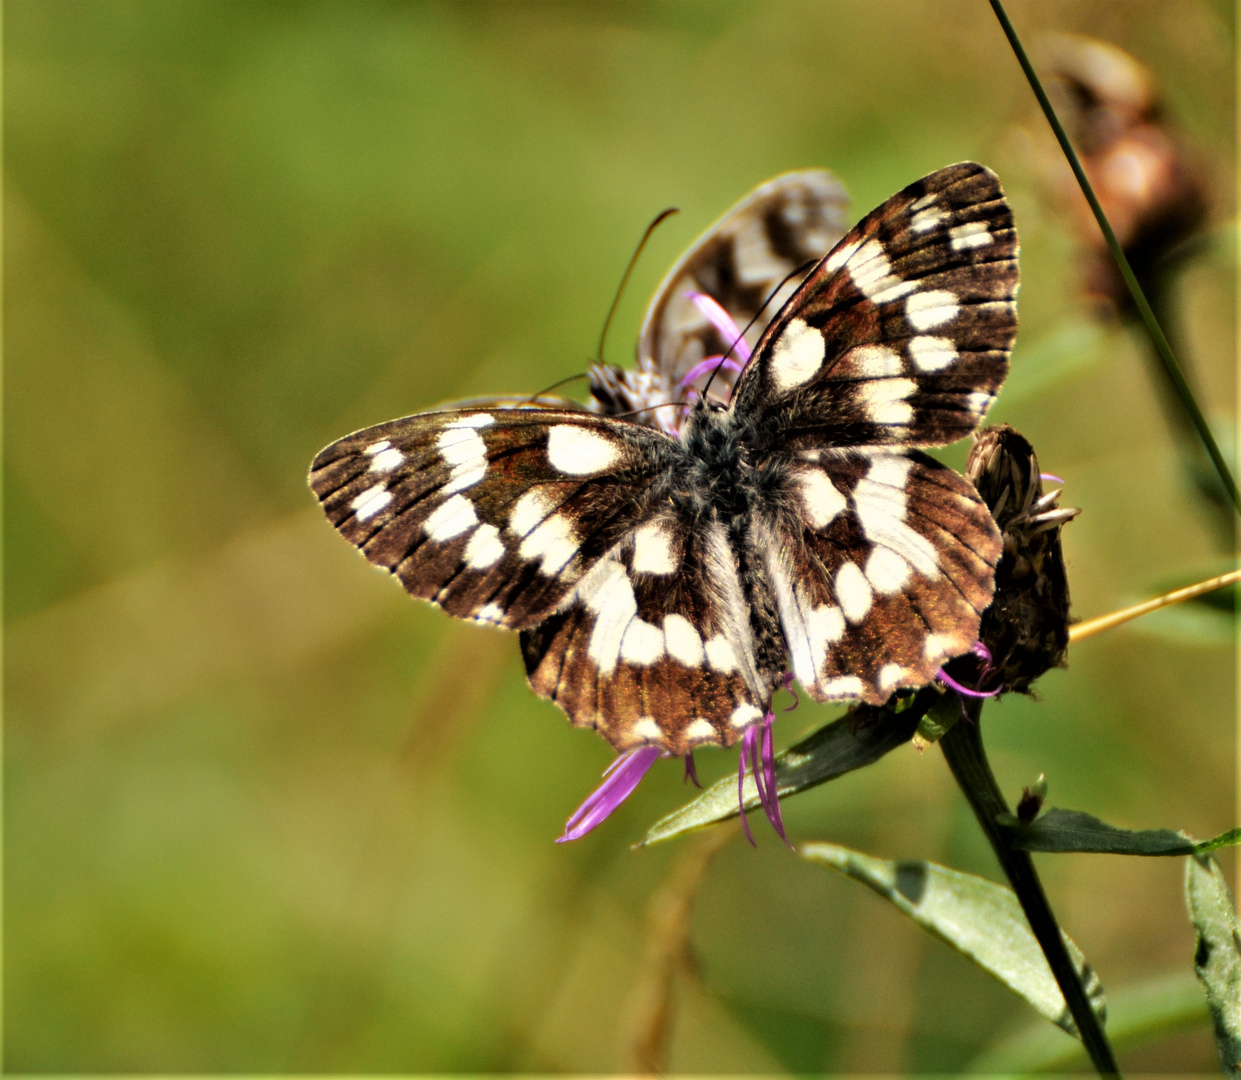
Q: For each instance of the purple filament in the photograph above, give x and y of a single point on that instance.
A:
(1052, 477)
(948, 680)
(620, 778)
(757, 750)
(691, 773)
(788, 685)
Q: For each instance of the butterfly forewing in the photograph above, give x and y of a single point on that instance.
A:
(901, 335)
(492, 513)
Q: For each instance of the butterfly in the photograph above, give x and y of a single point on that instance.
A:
(747, 262)
(668, 574)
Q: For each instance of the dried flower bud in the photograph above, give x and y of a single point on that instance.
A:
(1149, 184)
(1026, 628)
(1032, 799)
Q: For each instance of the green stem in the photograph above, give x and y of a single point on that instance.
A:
(1175, 374)
(967, 759)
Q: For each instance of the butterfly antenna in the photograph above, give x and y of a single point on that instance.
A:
(659, 220)
(802, 269)
(555, 386)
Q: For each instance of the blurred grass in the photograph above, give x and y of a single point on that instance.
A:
(262, 812)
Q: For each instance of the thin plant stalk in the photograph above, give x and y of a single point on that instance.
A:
(1091, 627)
(963, 750)
(1162, 348)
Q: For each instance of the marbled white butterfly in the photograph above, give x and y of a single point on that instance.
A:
(665, 584)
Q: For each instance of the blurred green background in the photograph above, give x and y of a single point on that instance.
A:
(262, 812)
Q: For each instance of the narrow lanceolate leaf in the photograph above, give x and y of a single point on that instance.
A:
(977, 917)
(860, 737)
(1073, 830)
(1217, 955)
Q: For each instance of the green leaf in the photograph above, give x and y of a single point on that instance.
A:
(1217, 955)
(861, 737)
(1074, 830)
(977, 917)
(1135, 1015)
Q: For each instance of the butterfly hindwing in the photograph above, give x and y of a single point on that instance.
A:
(655, 645)
(901, 335)
(881, 566)
(492, 513)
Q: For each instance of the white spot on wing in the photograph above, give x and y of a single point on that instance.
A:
(465, 452)
(932, 353)
(887, 571)
(875, 361)
(652, 549)
(927, 310)
(970, 235)
(642, 643)
(797, 356)
(484, 549)
(530, 511)
(926, 219)
(607, 593)
(825, 626)
(820, 499)
(844, 686)
(853, 592)
(700, 730)
(872, 274)
(720, 654)
(646, 728)
(979, 402)
(492, 613)
(580, 451)
(682, 640)
(451, 518)
(926, 200)
(386, 460)
(744, 715)
(840, 256)
(377, 448)
(879, 500)
(885, 400)
(370, 502)
(889, 676)
(553, 543)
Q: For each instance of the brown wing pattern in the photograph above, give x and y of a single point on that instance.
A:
(653, 648)
(881, 564)
(492, 513)
(901, 335)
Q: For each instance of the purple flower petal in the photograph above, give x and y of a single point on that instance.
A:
(758, 755)
(745, 751)
(709, 364)
(621, 778)
(722, 321)
(690, 772)
(772, 803)
(1052, 477)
